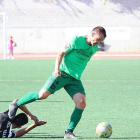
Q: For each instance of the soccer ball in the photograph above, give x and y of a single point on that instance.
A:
(14, 44)
(104, 130)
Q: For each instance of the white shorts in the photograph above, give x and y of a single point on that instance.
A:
(10, 51)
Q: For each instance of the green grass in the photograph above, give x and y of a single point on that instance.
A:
(112, 94)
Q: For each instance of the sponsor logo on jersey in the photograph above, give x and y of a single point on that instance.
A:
(80, 51)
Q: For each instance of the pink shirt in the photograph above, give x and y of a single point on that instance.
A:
(10, 45)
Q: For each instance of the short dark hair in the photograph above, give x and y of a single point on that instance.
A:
(20, 119)
(100, 29)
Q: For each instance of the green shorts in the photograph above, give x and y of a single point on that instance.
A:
(70, 84)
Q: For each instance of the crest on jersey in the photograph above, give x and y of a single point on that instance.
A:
(67, 46)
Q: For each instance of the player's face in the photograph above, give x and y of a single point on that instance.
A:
(96, 38)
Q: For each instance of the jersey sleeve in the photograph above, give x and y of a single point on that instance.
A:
(71, 45)
(12, 134)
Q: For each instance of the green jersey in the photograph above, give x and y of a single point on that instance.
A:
(77, 57)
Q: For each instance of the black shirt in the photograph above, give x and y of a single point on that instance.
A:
(6, 126)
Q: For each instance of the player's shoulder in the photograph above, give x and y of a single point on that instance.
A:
(78, 39)
(4, 114)
(3, 117)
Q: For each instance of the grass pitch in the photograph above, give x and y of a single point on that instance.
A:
(112, 95)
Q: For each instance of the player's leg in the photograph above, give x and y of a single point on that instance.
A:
(28, 98)
(12, 54)
(9, 53)
(80, 103)
(53, 84)
(33, 96)
(49, 88)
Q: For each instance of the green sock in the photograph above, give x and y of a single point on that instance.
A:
(75, 118)
(28, 98)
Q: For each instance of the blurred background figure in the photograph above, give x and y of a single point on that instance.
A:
(11, 45)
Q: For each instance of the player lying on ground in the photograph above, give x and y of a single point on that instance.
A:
(69, 66)
(7, 124)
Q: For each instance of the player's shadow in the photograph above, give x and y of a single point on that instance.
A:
(36, 101)
(41, 136)
(48, 136)
(6, 101)
(44, 137)
(49, 101)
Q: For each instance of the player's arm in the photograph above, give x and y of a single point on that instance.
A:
(25, 110)
(23, 131)
(68, 47)
(31, 116)
(58, 62)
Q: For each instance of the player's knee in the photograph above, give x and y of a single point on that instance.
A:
(81, 104)
(43, 94)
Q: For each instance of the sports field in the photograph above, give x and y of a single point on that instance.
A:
(112, 90)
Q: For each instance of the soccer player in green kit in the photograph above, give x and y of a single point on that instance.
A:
(69, 65)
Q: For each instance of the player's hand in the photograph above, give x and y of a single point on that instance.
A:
(15, 101)
(39, 123)
(34, 118)
(57, 74)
